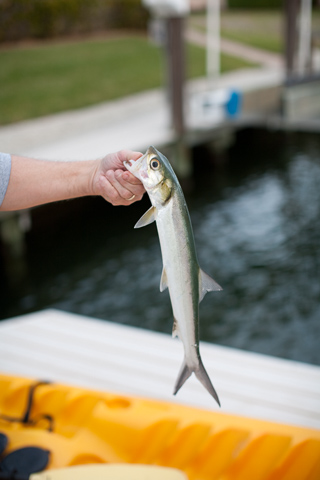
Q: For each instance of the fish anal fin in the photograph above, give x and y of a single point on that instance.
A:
(206, 284)
(164, 280)
(175, 328)
(148, 217)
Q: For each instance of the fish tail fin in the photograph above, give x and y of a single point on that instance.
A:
(184, 374)
(204, 378)
(201, 374)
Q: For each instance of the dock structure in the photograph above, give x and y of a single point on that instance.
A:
(76, 350)
(270, 93)
(136, 121)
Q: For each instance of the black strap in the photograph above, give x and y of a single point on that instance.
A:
(3, 442)
(21, 463)
(26, 417)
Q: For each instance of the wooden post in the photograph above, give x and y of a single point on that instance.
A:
(176, 82)
(305, 29)
(213, 41)
(13, 227)
(176, 72)
(291, 9)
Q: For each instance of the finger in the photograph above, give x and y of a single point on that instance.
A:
(108, 192)
(130, 178)
(127, 155)
(126, 195)
(124, 156)
(131, 184)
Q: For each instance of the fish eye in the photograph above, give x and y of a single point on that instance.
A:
(155, 164)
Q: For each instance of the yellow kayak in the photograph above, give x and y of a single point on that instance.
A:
(86, 429)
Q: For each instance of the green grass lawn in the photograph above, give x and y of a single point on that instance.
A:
(49, 78)
(261, 29)
(257, 28)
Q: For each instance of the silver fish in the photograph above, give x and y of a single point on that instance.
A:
(181, 274)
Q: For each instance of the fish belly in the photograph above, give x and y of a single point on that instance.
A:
(182, 272)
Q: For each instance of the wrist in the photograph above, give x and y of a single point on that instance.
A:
(87, 183)
(93, 178)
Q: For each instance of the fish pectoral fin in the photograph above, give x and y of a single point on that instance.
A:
(147, 218)
(164, 280)
(206, 284)
(175, 328)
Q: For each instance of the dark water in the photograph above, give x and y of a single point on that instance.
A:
(257, 231)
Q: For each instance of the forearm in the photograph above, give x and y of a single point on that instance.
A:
(35, 182)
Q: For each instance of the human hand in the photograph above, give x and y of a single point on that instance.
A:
(114, 183)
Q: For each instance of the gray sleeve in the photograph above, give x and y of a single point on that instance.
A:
(5, 169)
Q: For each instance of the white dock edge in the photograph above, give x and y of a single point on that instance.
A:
(76, 350)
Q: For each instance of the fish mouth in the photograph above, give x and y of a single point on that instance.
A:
(134, 165)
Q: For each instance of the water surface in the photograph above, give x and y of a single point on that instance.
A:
(257, 231)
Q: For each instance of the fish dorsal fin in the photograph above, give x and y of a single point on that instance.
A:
(164, 280)
(175, 328)
(147, 218)
(206, 284)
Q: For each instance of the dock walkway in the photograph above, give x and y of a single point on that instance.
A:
(76, 350)
(133, 122)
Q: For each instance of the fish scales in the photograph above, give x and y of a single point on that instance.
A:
(186, 282)
(182, 276)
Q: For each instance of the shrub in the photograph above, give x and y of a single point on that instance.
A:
(25, 19)
(255, 4)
